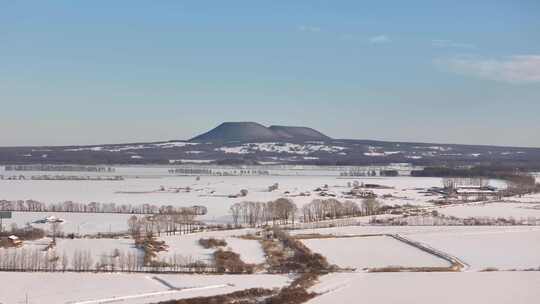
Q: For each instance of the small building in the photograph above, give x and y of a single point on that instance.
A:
(357, 192)
(468, 193)
(15, 241)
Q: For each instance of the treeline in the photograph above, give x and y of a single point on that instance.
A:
(169, 224)
(82, 260)
(284, 211)
(47, 260)
(280, 211)
(319, 210)
(95, 207)
(519, 181)
(26, 233)
(495, 172)
(436, 219)
(49, 167)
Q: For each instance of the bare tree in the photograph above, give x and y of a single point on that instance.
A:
(235, 210)
(55, 229)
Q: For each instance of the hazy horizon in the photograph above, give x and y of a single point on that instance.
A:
(188, 138)
(105, 72)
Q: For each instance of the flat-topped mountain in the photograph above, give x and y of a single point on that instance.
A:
(299, 133)
(255, 132)
(245, 143)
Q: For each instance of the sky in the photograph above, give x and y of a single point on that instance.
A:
(96, 72)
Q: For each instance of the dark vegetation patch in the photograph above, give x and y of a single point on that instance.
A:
(212, 243)
(295, 293)
(230, 262)
(27, 233)
(252, 295)
(151, 246)
(414, 269)
(285, 254)
(495, 172)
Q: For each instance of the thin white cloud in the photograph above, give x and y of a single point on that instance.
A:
(309, 28)
(440, 43)
(379, 39)
(513, 69)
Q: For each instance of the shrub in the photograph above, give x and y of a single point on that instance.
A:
(235, 297)
(212, 243)
(228, 261)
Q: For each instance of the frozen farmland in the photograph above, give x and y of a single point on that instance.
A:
(316, 238)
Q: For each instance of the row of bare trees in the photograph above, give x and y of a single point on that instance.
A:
(95, 207)
(82, 260)
(280, 211)
(323, 209)
(36, 259)
(284, 211)
(169, 224)
(454, 182)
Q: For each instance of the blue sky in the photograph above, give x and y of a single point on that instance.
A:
(74, 72)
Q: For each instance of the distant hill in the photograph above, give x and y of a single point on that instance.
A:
(299, 133)
(248, 143)
(255, 132)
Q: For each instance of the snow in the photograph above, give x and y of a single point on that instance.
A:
(98, 248)
(441, 288)
(250, 251)
(374, 154)
(289, 148)
(234, 150)
(505, 250)
(78, 223)
(193, 161)
(528, 198)
(373, 251)
(504, 210)
(503, 247)
(121, 148)
(384, 153)
(168, 145)
(414, 230)
(125, 288)
(209, 191)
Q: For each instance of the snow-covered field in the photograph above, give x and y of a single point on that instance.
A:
(504, 250)
(211, 191)
(504, 210)
(441, 288)
(414, 230)
(528, 198)
(373, 251)
(98, 249)
(503, 247)
(187, 246)
(90, 288)
(79, 223)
